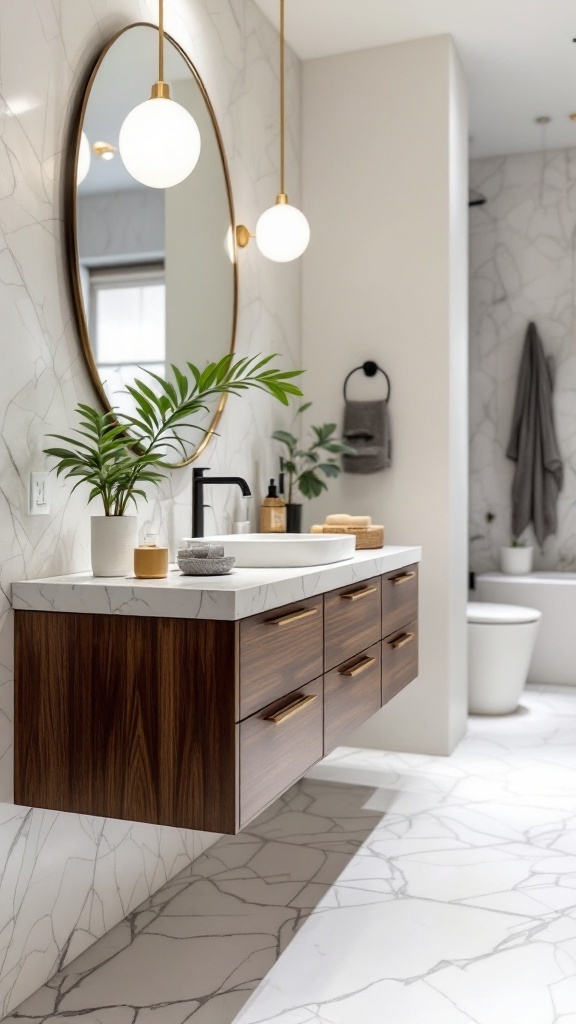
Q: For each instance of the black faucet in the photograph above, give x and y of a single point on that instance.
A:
(198, 481)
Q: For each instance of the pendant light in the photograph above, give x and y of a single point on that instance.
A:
(282, 232)
(159, 140)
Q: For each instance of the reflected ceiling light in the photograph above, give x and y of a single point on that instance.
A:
(282, 231)
(159, 140)
(84, 157)
(104, 150)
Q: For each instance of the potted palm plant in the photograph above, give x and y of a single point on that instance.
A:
(117, 454)
(307, 467)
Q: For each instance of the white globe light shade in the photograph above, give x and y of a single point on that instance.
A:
(282, 233)
(84, 157)
(229, 247)
(159, 143)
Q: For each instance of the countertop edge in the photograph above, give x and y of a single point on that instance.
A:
(251, 596)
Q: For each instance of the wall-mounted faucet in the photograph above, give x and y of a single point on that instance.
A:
(198, 481)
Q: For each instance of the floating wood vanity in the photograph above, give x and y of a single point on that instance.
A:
(195, 702)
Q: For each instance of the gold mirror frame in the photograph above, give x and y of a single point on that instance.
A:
(71, 223)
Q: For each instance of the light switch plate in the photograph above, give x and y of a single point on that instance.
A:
(38, 504)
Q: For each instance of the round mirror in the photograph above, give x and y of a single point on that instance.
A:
(154, 274)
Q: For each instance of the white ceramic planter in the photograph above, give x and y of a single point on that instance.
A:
(516, 561)
(112, 543)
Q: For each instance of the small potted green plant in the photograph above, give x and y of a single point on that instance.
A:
(516, 558)
(117, 454)
(306, 468)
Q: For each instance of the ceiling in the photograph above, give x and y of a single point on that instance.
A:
(518, 55)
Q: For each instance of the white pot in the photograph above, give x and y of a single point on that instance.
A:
(112, 543)
(516, 561)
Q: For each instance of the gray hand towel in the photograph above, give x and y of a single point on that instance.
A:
(367, 430)
(533, 446)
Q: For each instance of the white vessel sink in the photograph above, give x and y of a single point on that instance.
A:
(284, 550)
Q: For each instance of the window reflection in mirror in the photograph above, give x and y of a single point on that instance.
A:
(127, 317)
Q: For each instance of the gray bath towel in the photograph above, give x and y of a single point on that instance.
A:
(367, 430)
(533, 445)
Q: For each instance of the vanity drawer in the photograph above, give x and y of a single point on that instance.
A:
(352, 693)
(399, 660)
(279, 651)
(277, 745)
(352, 621)
(399, 598)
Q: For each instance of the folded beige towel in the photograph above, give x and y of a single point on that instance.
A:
(341, 519)
(366, 536)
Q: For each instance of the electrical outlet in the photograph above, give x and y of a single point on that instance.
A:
(38, 504)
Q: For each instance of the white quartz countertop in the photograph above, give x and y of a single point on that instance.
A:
(241, 593)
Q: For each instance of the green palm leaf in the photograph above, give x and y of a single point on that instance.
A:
(114, 452)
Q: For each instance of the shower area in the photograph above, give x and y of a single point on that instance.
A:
(522, 269)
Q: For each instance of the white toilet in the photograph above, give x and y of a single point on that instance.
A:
(501, 640)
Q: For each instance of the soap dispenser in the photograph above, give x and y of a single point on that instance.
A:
(273, 512)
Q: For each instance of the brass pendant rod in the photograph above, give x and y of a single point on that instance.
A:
(282, 101)
(161, 41)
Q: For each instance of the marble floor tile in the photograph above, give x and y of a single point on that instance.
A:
(382, 889)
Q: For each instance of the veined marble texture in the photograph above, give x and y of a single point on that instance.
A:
(240, 593)
(390, 888)
(522, 268)
(66, 879)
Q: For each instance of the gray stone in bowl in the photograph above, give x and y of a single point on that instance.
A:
(201, 549)
(205, 566)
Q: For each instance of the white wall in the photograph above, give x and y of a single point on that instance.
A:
(385, 189)
(115, 227)
(65, 879)
(199, 274)
(521, 268)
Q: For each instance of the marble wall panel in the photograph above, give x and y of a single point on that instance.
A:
(522, 268)
(66, 879)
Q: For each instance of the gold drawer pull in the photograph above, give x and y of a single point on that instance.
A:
(360, 666)
(357, 594)
(403, 578)
(291, 709)
(401, 641)
(285, 620)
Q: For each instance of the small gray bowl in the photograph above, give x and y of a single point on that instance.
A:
(205, 566)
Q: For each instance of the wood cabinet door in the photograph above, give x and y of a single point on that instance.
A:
(352, 621)
(279, 651)
(399, 598)
(352, 694)
(399, 660)
(277, 745)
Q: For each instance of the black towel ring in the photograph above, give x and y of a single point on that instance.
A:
(370, 369)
